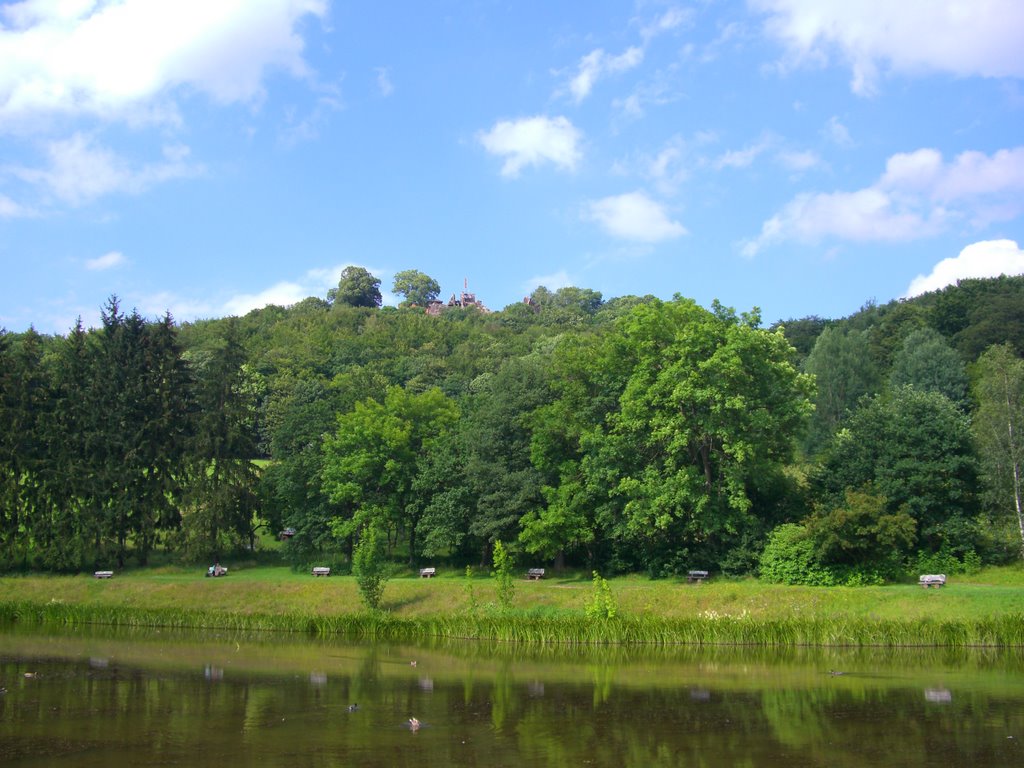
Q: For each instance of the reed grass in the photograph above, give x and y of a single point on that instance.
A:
(545, 628)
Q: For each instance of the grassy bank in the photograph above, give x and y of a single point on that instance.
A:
(985, 610)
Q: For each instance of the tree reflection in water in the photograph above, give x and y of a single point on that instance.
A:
(133, 698)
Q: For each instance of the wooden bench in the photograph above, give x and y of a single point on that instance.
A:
(535, 574)
(321, 570)
(932, 580)
(427, 573)
(696, 576)
(103, 575)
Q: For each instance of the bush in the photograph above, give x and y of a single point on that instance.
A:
(602, 603)
(944, 561)
(851, 576)
(742, 559)
(788, 558)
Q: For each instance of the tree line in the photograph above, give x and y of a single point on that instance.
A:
(115, 442)
(627, 435)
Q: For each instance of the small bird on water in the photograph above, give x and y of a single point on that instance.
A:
(353, 707)
(414, 724)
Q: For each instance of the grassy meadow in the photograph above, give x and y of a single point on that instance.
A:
(982, 609)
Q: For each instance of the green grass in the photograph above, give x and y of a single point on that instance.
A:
(986, 609)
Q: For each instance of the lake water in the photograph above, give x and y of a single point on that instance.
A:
(104, 698)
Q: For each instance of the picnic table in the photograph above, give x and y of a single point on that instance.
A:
(932, 580)
(216, 570)
(535, 574)
(427, 573)
(103, 575)
(321, 570)
(696, 576)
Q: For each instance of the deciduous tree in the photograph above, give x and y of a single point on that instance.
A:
(999, 428)
(927, 362)
(844, 372)
(356, 288)
(914, 448)
(709, 412)
(372, 460)
(417, 288)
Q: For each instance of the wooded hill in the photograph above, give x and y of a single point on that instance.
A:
(631, 434)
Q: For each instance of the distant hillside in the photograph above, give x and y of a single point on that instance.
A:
(972, 315)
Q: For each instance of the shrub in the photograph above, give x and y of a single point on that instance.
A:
(944, 561)
(602, 603)
(850, 576)
(788, 558)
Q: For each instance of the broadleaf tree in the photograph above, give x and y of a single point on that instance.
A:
(372, 459)
(357, 287)
(709, 411)
(998, 428)
(417, 288)
(914, 448)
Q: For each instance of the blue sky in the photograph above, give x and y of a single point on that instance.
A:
(208, 157)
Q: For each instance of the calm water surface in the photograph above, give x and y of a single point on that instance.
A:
(102, 698)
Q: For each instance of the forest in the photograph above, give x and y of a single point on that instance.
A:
(622, 435)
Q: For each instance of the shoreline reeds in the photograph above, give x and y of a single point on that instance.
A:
(562, 628)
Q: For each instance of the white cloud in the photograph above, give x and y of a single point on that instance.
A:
(631, 107)
(117, 59)
(743, 158)
(988, 258)
(315, 282)
(656, 92)
(552, 282)
(302, 127)
(864, 215)
(106, 261)
(982, 188)
(78, 171)
(283, 294)
(837, 133)
(533, 141)
(667, 169)
(321, 280)
(672, 18)
(633, 216)
(673, 163)
(12, 210)
(729, 34)
(912, 171)
(965, 38)
(798, 161)
(917, 196)
(974, 174)
(157, 304)
(384, 83)
(598, 64)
